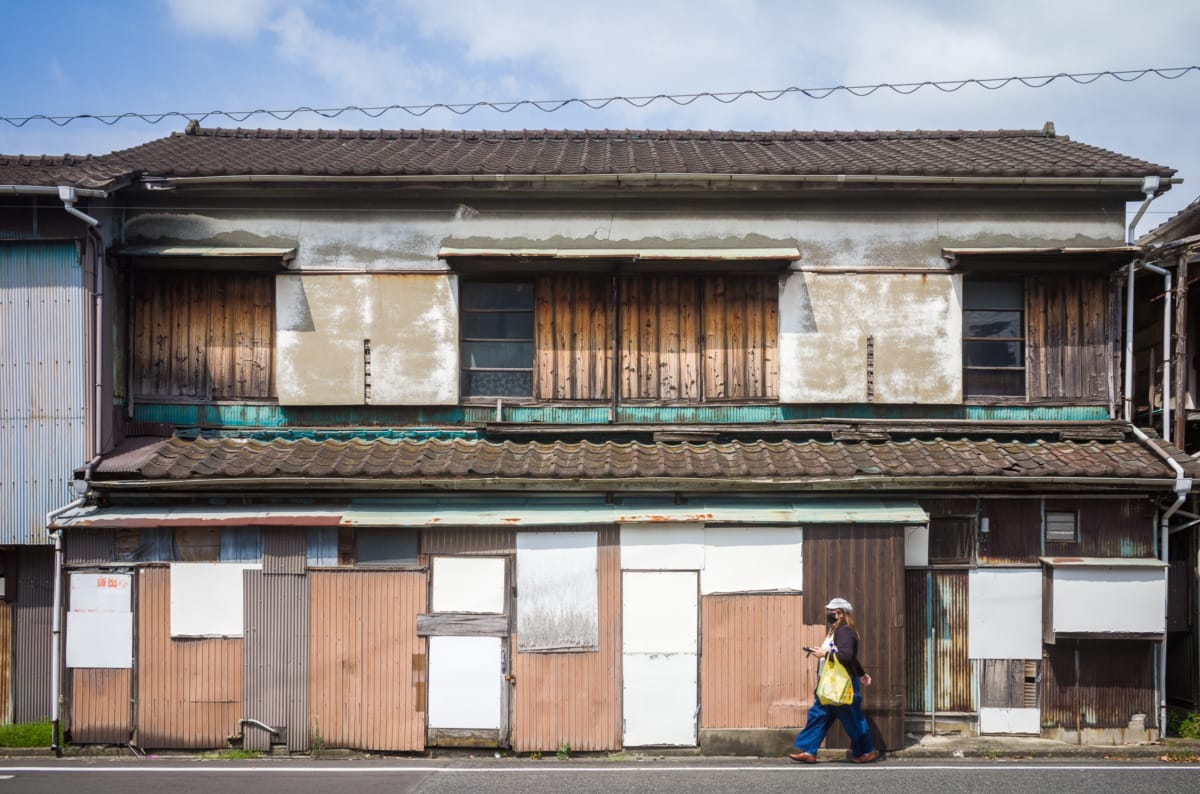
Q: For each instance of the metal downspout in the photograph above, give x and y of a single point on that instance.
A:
(56, 627)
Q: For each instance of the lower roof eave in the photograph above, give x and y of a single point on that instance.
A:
(680, 484)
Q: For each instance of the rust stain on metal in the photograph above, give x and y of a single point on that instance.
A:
(288, 520)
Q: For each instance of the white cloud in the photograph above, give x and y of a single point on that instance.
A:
(236, 19)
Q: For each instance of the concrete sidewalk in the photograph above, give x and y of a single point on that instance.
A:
(1033, 747)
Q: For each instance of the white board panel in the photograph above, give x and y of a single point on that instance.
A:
(750, 559)
(464, 682)
(558, 601)
(100, 639)
(659, 612)
(662, 547)
(1004, 613)
(1121, 599)
(100, 592)
(468, 584)
(916, 546)
(660, 699)
(207, 599)
(1010, 721)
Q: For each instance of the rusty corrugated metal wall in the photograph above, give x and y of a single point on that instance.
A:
(481, 540)
(1108, 528)
(1115, 680)
(284, 550)
(1014, 531)
(6, 661)
(32, 618)
(939, 671)
(864, 564)
(367, 664)
(100, 707)
(753, 672)
(276, 646)
(189, 691)
(88, 546)
(575, 698)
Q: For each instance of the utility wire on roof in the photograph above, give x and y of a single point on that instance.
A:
(552, 105)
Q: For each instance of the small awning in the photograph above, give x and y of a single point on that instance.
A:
(630, 254)
(168, 256)
(1017, 259)
(481, 254)
(1102, 562)
(503, 513)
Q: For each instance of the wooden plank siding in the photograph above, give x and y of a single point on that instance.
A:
(203, 336)
(573, 337)
(1067, 338)
(100, 706)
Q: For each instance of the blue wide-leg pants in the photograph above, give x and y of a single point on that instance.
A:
(820, 719)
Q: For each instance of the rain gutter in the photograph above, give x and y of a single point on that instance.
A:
(56, 627)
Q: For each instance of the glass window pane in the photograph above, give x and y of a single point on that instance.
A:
(484, 383)
(497, 355)
(497, 325)
(385, 546)
(994, 354)
(497, 295)
(994, 383)
(992, 324)
(993, 294)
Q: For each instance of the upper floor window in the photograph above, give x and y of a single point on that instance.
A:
(993, 338)
(497, 338)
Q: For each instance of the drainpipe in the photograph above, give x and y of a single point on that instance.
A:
(69, 196)
(56, 626)
(1183, 486)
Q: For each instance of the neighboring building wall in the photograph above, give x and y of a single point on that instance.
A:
(32, 620)
(6, 661)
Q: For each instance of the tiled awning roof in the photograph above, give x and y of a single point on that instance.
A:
(178, 459)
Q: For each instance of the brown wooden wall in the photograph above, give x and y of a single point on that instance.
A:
(753, 673)
(366, 662)
(100, 712)
(1068, 347)
(189, 691)
(6, 662)
(1115, 681)
(206, 336)
(575, 697)
(573, 337)
(865, 565)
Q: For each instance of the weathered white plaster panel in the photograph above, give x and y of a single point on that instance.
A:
(1010, 721)
(662, 547)
(659, 612)
(323, 321)
(660, 699)
(100, 639)
(207, 599)
(468, 584)
(916, 546)
(465, 676)
(1004, 613)
(914, 322)
(750, 559)
(100, 592)
(1110, 600)
(558, 600)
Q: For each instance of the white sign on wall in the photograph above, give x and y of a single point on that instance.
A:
(558, 599)
(662, 547)
(468, 584)
(749, 559)
(1004, 613)
(207, 598)
(100, 623)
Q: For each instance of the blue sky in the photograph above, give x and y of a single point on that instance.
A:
(70, 56)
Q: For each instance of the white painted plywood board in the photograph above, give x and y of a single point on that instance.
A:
(659, 612)
(100, 592)
(1110, 600)
(916, 546)
(993, 721)
(662, 547)
(558, 602)
(100, 639)
(468, 584)
(207, 599)
(660, 699)
(1004, 613)
(752, 559)
(465, 676)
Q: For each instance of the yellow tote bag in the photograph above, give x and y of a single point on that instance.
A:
(834, 687)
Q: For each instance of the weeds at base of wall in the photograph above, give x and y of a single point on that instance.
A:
(230, 755)
(1181, 755)
(26, 734)
(563, 753)
(1185, 725)
(316, 742)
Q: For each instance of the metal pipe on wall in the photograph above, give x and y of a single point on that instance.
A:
(56, 626)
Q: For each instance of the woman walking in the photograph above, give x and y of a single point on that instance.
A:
(842, 640)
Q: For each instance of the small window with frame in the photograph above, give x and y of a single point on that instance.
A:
(1062, 526)
(497, 339)
(993, 335)
(951, 540)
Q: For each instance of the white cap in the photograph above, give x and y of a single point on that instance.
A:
(840, 603)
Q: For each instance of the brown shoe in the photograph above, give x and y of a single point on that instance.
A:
(866, 758)
(803, 758)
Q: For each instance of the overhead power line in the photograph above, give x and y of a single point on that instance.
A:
(599, 103)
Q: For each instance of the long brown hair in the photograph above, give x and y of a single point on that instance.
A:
(845, 620)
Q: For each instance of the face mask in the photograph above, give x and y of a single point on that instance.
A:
(830, 617)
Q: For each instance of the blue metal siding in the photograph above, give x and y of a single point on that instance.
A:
(43, 383)
(241, 544)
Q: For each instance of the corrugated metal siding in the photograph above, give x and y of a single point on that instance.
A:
(367, 674)
(276, 645)
(1014, 531)
(864, 564)
(6, 662)
(939, 672)
(575, 697)
(86, 546)
(472, 540)
(33, 613)
(753, 672)
(43, 397)
(189, 691)
(284, 550)
(1108, 528)
(1115, 681)
(100, 706)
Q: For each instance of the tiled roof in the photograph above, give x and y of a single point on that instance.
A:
(464, 459)
(349, 153)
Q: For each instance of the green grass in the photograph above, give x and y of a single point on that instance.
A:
(28, 734)
(228, 755)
